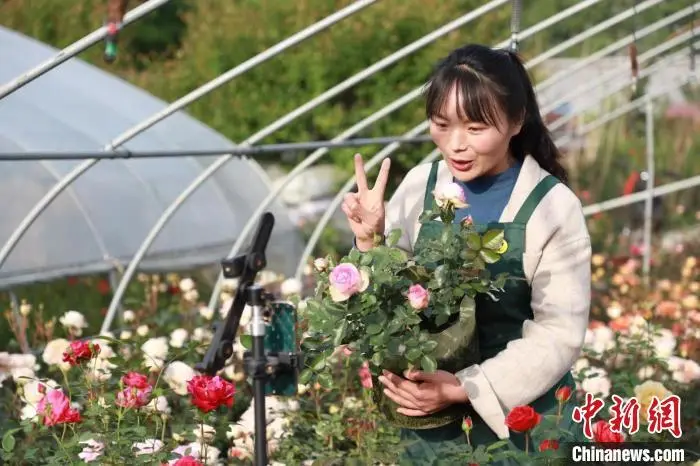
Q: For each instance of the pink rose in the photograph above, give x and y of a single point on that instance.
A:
(418, 297)
(365, 375)
(346, 280)
(132, 397)
(450, 193)
(56, 409)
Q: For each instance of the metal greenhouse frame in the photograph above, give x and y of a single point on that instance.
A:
(665, 50)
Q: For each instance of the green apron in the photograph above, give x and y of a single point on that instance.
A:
(498, 322)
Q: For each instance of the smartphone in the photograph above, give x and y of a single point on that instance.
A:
(281, 337)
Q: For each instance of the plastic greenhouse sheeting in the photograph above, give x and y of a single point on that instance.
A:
(103, 217)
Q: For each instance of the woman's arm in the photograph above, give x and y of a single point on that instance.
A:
(552, 340)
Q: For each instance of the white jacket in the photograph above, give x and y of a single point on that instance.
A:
(557, 264)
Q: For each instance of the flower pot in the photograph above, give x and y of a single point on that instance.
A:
(457, 349)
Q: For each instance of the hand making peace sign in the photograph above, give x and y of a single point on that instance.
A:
(365, 208)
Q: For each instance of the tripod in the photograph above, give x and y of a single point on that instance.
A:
(261, 365)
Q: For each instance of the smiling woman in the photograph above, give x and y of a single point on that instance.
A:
(485, 120)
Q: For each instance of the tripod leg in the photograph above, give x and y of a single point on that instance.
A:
(259, 397)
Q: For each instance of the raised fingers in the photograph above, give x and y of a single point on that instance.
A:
(351, 207)
(382, 177)
(360, 176)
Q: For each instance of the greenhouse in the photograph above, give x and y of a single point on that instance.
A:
(98, 223)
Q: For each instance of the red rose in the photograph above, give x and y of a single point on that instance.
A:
(208, 393)
(136, 380)
(187, 461)
(603, 434)
(549, 445)
(522, 418)
(563, 393)
(80, 351)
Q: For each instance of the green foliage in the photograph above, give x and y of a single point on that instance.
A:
(378, 320)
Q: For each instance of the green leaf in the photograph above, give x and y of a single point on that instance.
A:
(489, 257)
(354, 256)
(377, 359)
(394, 326)
(374, 329)
(305, 376)
(495, 445)
(325, 380)
(340, 333)
(413, 354)
(429, 346)
(393, 238)
(366, 258)
(441, 275)
(319, 363)
(8, 441)
(474, 241)
(246, 341)
(428, 363)
(492, 239)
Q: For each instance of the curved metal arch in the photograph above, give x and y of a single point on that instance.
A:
(590, 32)
(211, 169)
(581, 37)
(614, 89)
(337, 200)
(597, 83)
(77, 47)
(316, 155)
(170, 109)
(617, 45)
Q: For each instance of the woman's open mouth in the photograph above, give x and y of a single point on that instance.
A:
(462, 165)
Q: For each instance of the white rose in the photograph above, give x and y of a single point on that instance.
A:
(129, 316)
(186, 284)
(176, 375)
(100, 370)
(53, 352)
(208, 434)
(212, 453)
(156, 348)
(450, 193)
(142, 330)
(321, 264)
(74, 321)
(25, 308)
(125, 335)
(596, 382)
(290, 286)
(191, 296)
(206, 312)
(178, 337)
(664, 343)
(147, 447)
(158, 405)
(614, 311)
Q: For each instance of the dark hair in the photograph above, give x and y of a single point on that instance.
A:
(488, 80)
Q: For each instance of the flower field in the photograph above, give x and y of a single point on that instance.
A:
(132, 396)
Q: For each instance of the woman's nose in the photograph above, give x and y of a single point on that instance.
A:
(458, 141)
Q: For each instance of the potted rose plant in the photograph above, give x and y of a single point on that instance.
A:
(400, 311)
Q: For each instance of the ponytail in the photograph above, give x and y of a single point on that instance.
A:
(534, 137)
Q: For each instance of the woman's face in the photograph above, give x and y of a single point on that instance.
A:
(471, 149)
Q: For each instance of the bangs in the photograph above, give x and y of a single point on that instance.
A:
(477, 97)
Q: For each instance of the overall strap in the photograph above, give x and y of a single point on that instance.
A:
(533, 200)
(430, 186)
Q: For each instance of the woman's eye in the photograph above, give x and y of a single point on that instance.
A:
(476, 129)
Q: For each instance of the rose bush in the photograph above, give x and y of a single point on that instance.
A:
(642, 342)
(382, 304)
